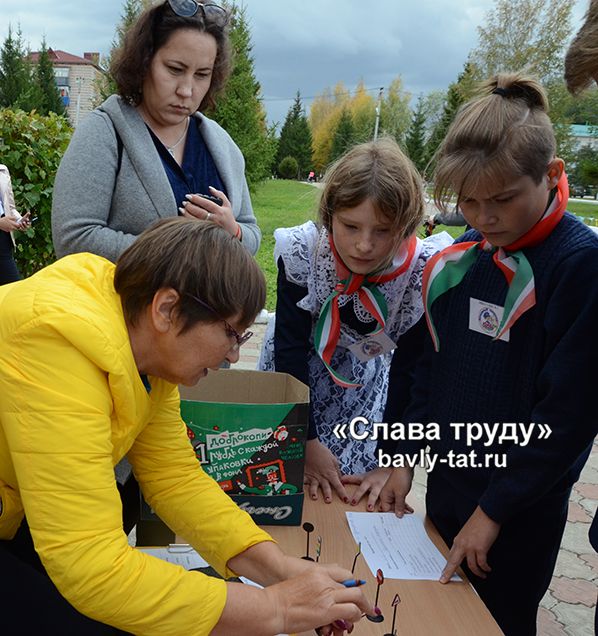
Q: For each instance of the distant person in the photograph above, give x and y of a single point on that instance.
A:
(10, 221)
(311, 177)
(581, 70)
(149, 152)
(511, 309)
(355, 274)
(90, 358)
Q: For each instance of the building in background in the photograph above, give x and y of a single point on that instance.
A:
(76, 79)
(584, 136)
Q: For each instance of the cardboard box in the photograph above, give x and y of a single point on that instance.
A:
(249, 429)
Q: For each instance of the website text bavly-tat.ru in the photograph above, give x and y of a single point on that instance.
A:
(473, 433)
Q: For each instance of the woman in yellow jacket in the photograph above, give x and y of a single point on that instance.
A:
(90, 358)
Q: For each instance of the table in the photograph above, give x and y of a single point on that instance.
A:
(427, 608)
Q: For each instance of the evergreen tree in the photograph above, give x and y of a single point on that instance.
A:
(16, 85)
(295, 138)
(239, 110)
(344, 136)
(416, 141)
(105, 85)
(46, 93)
(458, 93)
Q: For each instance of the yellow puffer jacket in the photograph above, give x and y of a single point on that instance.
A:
(72, 404)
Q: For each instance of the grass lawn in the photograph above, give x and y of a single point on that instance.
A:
(281, 203)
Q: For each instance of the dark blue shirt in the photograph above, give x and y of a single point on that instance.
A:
(198, 170)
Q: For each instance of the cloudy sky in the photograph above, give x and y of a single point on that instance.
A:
(305, 46)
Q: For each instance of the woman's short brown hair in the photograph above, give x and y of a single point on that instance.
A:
(379, 171)
(148, 34)
(502, 134)
(581, 61)
(197, 258)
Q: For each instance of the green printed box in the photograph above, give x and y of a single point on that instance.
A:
(248, 430)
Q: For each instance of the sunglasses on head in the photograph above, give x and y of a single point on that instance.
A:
(210, 12)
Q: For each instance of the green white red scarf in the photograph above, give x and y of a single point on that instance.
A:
(447, 268)
(328, 326)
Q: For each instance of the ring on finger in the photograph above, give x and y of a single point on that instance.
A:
(209, 216)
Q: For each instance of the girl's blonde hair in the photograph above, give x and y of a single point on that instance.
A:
(581, 61)
(502, 134)
(379, 171)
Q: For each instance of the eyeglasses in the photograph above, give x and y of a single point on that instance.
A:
(231, 332)
(211, 12)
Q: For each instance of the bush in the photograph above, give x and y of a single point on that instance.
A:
(288, 168)
(32, 146)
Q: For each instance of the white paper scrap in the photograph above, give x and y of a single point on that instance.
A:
(400, 548)
(179, 554)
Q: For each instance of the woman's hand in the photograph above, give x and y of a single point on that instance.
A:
(11, 224)
(25, 221)
(322, 471)
(373, 481)
(392, 496)
(472, 543)
(300, 595)
(199, 207)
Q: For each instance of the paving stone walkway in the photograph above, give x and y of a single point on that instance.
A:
(569, 605)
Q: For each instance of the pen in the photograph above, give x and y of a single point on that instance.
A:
(353, 582)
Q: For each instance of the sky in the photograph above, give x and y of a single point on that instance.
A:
(301, 46)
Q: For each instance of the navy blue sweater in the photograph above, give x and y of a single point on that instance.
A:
(545, 374)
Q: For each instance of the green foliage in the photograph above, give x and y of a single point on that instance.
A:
(344, 136)
(458, 93)
(15, 73)
(524, 34)
(47, 96)
(105, 85)
(27, 87)
(584, 172)
(240, 112)
(295, 140)
(584, 109)
(288, 168)
(32, 147)
(395, 114)
(415, 142)
(279, 203)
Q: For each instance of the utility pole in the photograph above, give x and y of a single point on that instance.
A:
(378, 107)
(78, 81)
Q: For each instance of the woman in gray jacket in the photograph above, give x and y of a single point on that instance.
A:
(149, 152)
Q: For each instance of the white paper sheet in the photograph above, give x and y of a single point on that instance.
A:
(179, 554)
(400, 548)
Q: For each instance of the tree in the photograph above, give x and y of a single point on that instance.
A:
(47, 100)
(15, 74)
(32, 146)
(344, 135)
(362, 108)
(584, 109)
(288, 168)
(240, 111)
(458, 93)
(416, 136)
(105, 85)
(584, 170)
(395, 112)
(324, 115)
(524, 34)
(295, 138)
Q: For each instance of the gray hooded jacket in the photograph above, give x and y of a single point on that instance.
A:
(101, 208)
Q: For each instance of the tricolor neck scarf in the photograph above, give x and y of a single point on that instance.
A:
(328, 326)
(447, 268)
